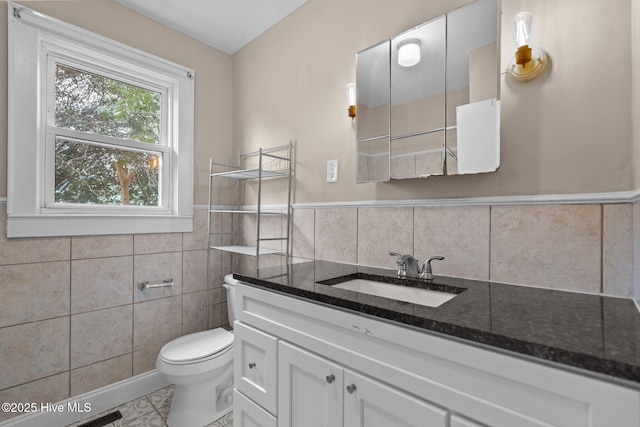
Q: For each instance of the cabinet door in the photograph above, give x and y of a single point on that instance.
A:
(309, 389)
(248, 414)
(418, 101)
(373, 90)
(255, 365)
(369, 403)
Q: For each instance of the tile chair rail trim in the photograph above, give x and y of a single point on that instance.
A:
(614, 197)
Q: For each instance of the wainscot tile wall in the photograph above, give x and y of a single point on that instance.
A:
(72, 319)
(581, 247)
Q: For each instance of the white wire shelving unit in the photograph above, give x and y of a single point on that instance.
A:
(257, 166)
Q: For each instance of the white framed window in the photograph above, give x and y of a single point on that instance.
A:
(100, 135)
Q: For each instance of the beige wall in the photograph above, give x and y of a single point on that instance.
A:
(635, 57)
(212, 69)
(635, 17)
(567, 132)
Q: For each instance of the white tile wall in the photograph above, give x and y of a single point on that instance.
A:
(584, 247)
(617, 250)
(101, 283)
(381, 230)
(72, 319)
(336, 234)
(555, 246)
(33, 292)
(460, 234)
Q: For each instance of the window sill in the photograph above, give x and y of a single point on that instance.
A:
(83, 225)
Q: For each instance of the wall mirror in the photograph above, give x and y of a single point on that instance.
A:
(418, 101)
(373, 104)
(428, 99)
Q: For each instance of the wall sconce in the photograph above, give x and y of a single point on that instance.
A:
(351, 95)
(409, 52)
(528, 62)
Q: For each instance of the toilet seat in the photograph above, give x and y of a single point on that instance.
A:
(197, 347)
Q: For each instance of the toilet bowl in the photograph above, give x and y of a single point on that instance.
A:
(201, 367)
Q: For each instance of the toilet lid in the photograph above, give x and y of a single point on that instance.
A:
(196, 346)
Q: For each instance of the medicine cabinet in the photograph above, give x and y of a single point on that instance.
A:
(428, 99)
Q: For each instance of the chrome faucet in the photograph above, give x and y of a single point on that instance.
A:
(408, 266)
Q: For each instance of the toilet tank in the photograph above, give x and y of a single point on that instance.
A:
(229, 285)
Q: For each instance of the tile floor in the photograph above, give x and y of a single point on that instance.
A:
(150, 411)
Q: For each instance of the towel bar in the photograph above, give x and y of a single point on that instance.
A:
(143, 286)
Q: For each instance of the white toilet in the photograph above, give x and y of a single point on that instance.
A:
(201, 367)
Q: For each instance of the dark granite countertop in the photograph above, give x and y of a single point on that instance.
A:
(597, 334)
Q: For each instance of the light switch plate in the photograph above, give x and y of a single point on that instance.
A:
(332, 171)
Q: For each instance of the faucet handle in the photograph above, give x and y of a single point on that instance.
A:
(400, 263)
(427, 273)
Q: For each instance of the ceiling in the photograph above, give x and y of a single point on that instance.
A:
(226, 25)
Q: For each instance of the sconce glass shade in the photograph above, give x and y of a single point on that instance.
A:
(351, 93)
(521, 32)
(521, 28)
(409, 53)
(351, 96)
(528, 62)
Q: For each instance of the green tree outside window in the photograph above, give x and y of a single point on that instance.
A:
(92, 173)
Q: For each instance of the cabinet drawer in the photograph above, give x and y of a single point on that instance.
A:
(248, 414)
(256, 365)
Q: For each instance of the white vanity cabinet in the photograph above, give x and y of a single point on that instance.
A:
(310, 389)
(246, 413)
(370, 403)
(315, 392)
(254, 367)
(339, 368)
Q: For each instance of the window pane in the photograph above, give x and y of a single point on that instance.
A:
(92, 103)
(93, 174)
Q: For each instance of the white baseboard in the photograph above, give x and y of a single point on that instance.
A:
(98, 401)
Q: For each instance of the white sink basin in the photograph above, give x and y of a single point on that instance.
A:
(397, 292)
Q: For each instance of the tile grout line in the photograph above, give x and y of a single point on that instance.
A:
(602, 249)
(490, 241)
(133, 302)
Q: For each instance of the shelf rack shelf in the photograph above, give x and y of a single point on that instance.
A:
(251, 174)
(259, 166)
(246, 250)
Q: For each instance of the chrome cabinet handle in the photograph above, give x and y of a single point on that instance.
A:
(331, 378)
(252, 365)
(351, 388)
